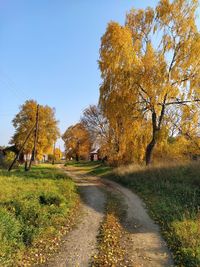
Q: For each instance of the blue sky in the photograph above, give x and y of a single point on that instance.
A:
(49, 51)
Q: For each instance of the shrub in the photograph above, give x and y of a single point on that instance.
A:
(8, 159)
(50, 199)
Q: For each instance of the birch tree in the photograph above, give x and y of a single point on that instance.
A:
(150, 64)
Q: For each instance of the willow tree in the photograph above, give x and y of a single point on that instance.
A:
(151, 63)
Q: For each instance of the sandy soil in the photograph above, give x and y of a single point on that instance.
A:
(142, 240)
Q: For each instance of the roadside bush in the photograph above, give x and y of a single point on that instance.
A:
(50, 199)
(6, 161)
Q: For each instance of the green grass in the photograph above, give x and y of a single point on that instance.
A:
(34, 209)
(172, 195)
(92, 167)
(82, 163)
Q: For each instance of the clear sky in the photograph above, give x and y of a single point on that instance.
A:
(49, 51)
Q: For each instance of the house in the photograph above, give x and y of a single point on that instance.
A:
(63, 156)
(45, 157)
(94, 154)
(11, 149)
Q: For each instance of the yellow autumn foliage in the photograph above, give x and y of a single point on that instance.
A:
(48, 130)
(148, 66)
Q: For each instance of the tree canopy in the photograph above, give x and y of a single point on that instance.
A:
(77, 142)
(48, 130)
(150, 67)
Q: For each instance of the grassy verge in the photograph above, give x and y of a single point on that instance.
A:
(172, 195)
(110, 250)
(35, 211)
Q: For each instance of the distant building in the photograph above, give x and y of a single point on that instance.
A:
(94, 154)
(63, 156)
(11, 149)
(27, 157)
(2, 153)
(45, 158)
(22, 157)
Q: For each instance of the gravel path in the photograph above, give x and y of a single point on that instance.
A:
(142, 241)
(80, 244)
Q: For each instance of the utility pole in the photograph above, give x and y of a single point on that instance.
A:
(19, 152)
(36, 133)
(77, 151)
(54, 149)
(33, 157)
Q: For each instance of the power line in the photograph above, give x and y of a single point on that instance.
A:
(10, 84)
(6, 87)
(6, 115)
(22, 147)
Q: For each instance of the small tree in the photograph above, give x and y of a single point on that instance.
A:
(77, 141)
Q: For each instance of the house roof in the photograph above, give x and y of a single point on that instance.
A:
(11, 148)
(94, 151)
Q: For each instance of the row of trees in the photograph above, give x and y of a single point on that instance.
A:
(150, 91)
(149, 103)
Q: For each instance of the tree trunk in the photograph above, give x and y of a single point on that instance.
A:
(149, 151)
(31, 160)
(155, 130)
(151, 145)
(26, 166)
(77, 150)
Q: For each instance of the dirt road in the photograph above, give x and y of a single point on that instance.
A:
(143, 242)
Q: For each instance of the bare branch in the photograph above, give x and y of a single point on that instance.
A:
(183, 80)
(179, 102)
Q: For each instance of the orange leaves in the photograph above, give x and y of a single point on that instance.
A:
(77, 141)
